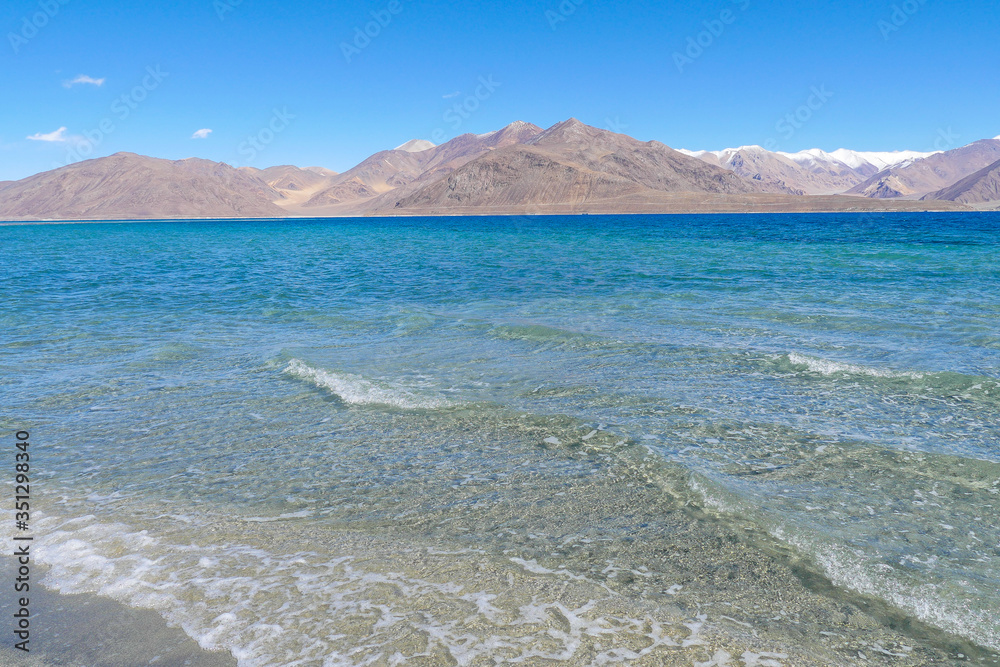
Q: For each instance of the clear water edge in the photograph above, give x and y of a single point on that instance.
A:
(620, 385)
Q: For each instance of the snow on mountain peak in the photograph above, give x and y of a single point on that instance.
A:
(725, 154)
(857, 159)
(415, 146)
(886, 159)
(516, 126)
(818, 159)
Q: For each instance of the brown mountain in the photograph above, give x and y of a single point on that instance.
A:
(979, 188)
(930, 174)
(295, 186)
(322, 171)
(569, 164)
(126, 185)
(388, 170)
(650, 163)
(568, 168)
(347, 192)
(293, 179)
(769, 169)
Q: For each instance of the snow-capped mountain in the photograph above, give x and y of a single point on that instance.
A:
(415, 146)
(873, 174)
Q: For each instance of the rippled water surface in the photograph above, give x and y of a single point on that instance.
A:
(690, 440)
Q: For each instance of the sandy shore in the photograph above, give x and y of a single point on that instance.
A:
(90, 631)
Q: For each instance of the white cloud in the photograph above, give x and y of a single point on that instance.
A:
(83, 78)
(58, 135)
(201, 134)
(450, 95)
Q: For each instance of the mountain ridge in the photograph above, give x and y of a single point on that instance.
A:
(520, 168)
(981, 187)
(917, 178)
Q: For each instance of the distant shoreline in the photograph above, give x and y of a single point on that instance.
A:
(502, 213)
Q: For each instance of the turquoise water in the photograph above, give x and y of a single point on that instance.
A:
(708, 440)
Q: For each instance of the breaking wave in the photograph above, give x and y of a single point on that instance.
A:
(356, 390)
(830, 367)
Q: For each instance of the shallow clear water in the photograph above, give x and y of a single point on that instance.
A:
(746, 440)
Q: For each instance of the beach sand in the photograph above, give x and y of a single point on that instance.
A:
(91, 631)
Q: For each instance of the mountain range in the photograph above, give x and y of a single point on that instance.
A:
(519, 169)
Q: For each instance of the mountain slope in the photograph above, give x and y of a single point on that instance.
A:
(774, 172)
(516, 176)
(650, 163)
(568, 168)
(414, 146)
(930, 174)
(388, 170)
(126, 185)
(294, 186)
(291, 178)
(569, 164)
(870, 162)
(981, 187)
(812, 172)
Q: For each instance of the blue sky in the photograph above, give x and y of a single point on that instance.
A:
(275, 84)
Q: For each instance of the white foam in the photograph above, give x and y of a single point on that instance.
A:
(830, 367)
(336, 609)
(856, 572)
(763, 659)
(357, 390)
(924, 601)
(719, 659)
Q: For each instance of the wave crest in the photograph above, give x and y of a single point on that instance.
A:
(356, 390)
(830, 367)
